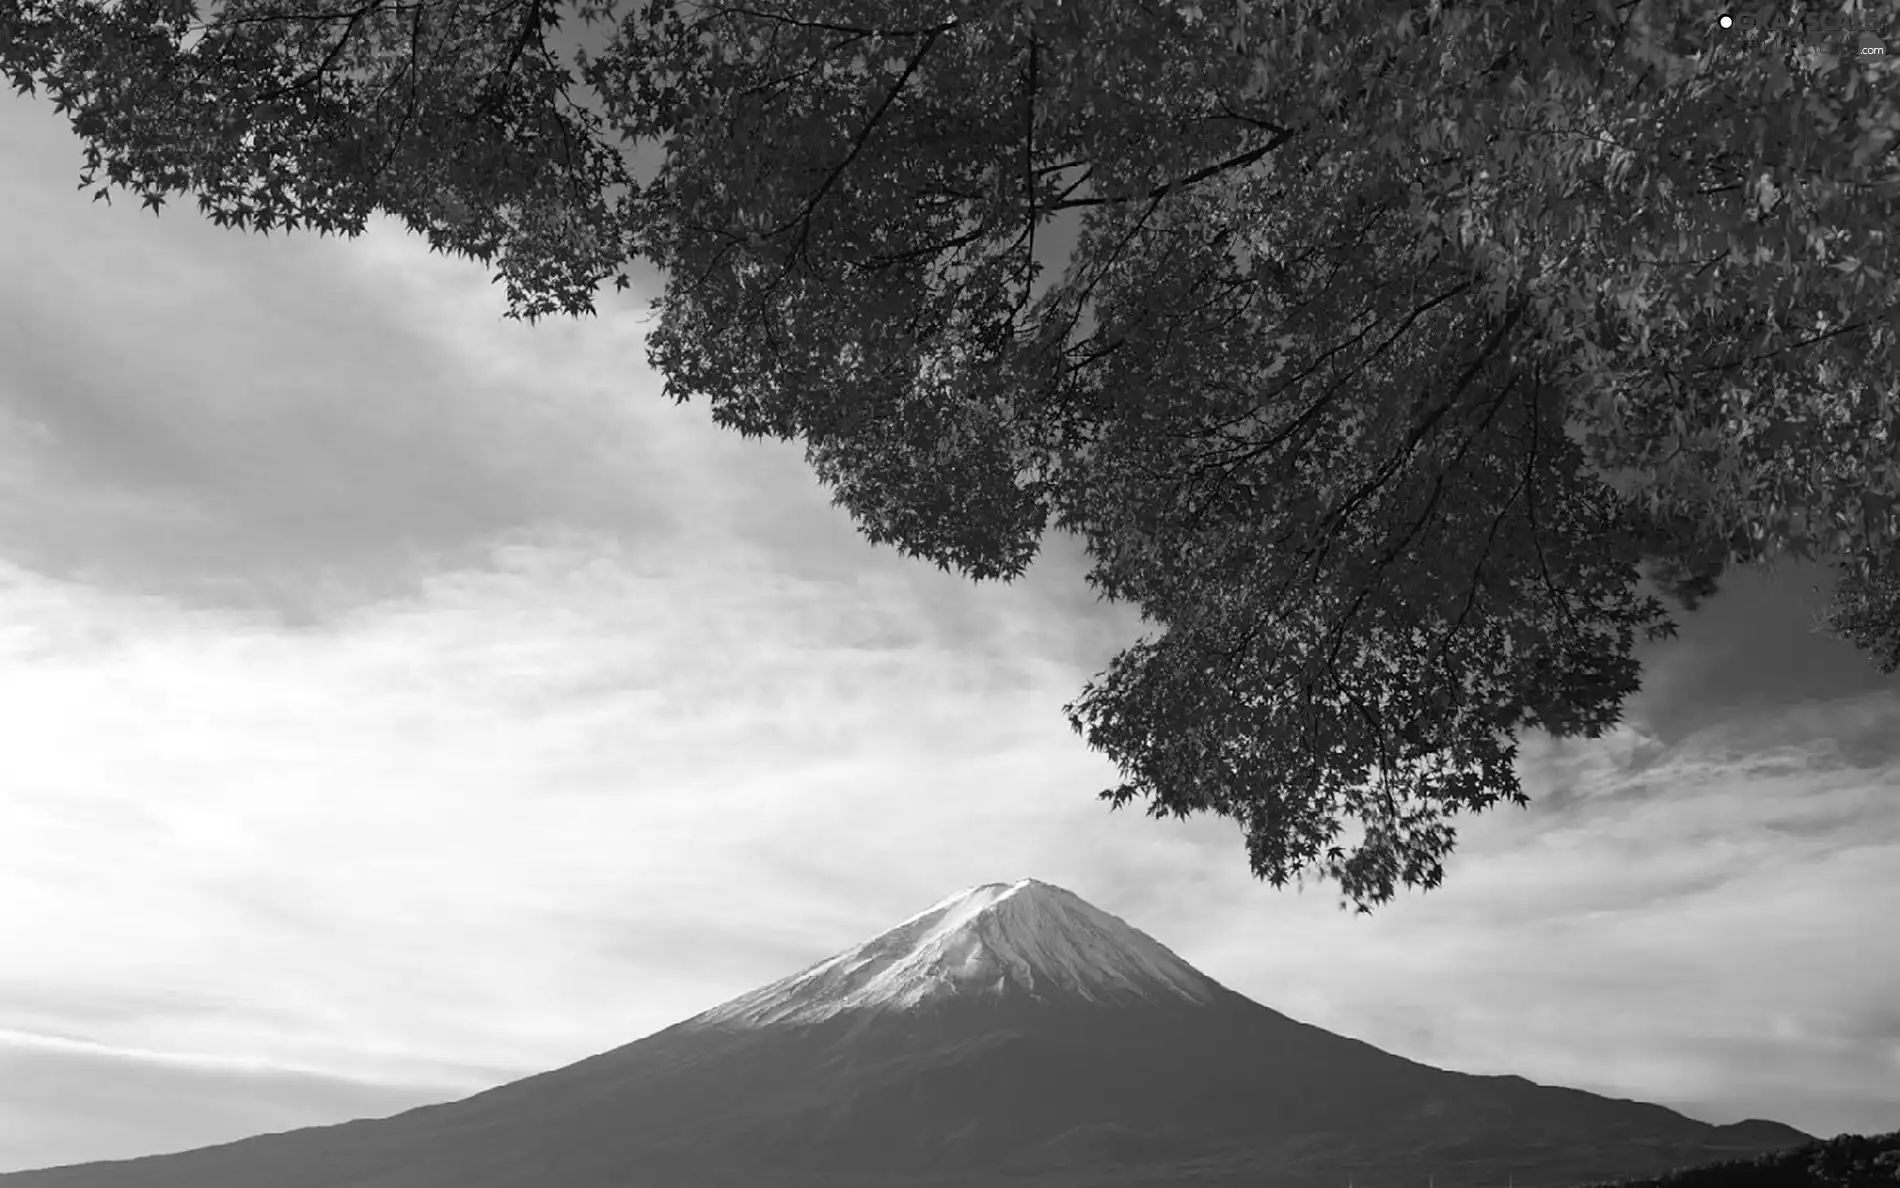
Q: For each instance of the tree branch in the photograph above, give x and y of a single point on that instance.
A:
(1161, 191)
(864, 134)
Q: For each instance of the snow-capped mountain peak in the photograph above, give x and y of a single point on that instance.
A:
(1023, 938)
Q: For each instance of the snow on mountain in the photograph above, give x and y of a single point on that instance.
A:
(1026, 937)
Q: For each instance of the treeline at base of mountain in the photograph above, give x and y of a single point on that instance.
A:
(1844, 1161)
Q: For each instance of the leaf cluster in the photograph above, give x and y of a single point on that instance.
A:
(453, 117)
(1397, 347)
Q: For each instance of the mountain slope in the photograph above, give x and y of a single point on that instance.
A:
(1011, 1032)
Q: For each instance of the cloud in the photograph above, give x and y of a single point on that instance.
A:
(1747, 651)
(1693, 924)
(54, 1095)
(354, 849)
(287, 423)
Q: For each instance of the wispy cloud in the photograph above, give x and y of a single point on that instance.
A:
(71, 1101)
(400, 700)
(1693, 924)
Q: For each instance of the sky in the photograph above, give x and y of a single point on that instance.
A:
(400, 700)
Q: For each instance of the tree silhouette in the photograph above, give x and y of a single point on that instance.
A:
(1397, 346)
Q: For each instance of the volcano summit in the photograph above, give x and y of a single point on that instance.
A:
(1010, 1035)
(1001, 940)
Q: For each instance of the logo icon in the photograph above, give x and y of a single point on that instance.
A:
(1843, 33)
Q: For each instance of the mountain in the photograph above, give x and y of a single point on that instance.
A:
(1011, 1035)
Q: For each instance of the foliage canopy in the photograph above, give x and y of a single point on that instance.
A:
(1399, 342)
